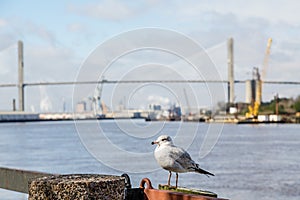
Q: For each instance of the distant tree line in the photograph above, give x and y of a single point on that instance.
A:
(297, 104)
(281, 105)
(277, 105)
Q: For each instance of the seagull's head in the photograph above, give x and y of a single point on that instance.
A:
(163, 140)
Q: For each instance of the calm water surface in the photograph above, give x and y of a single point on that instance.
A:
(250, 162)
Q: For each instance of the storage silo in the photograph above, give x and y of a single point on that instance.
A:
(258, 90)
(250, 91)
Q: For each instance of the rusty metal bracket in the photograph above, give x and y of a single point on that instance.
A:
(154, 194)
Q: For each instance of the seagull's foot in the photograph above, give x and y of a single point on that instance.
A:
(172, 187)
(164, 185)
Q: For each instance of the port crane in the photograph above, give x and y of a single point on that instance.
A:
(97, 103)
(253, 108)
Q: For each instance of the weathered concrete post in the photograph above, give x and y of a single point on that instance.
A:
(81, 186)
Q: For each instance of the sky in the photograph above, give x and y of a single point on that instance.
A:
(60, 38)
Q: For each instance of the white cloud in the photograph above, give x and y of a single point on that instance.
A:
(76, 27)
(3, 22)
(108, 10)
(8, 65)
(19, 28)
(275, 11)
(49, 63)
(40, 32)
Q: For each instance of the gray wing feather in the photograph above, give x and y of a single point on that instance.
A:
(187, 164)
(184, 159)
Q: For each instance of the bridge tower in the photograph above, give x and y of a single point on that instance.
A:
(21, 75)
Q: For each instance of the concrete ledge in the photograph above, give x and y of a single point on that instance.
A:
(77, 186)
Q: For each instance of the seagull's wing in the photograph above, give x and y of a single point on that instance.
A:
(183, 159)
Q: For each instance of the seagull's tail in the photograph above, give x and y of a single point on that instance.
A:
(202, 171)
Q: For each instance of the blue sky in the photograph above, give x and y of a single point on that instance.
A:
(59, 35)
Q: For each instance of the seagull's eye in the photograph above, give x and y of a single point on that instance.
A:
(164, 139)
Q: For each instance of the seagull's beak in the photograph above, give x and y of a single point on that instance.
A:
(154, 142)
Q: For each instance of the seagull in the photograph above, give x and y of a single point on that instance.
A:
(175, 159)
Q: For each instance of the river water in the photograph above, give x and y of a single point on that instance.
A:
(249, 161)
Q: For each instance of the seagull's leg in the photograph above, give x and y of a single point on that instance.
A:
(176, 179)
(169, 179)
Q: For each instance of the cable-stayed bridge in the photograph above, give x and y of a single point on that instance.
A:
(138, 81)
